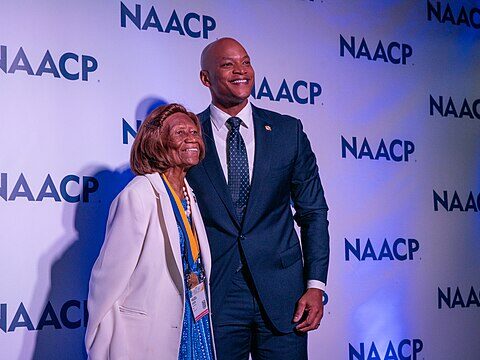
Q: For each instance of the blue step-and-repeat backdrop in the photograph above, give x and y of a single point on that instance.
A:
(389, 95)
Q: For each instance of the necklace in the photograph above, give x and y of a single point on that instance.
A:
(185, 194)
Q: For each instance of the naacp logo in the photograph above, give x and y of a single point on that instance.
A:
(72, 314)
(400, 249)
(392, 52)
(448, 107)
(300, 92)
(452, 298)
(454, 202)
(69, 65)
(192, 24)
(128, 129)
(442, 12)
(85, 187)
(395, 150)
(406, 349)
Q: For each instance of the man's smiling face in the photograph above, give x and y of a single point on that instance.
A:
(228, 73)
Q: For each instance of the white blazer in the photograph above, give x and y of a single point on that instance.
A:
(136, 293)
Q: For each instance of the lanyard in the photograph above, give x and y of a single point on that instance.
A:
(192, 246)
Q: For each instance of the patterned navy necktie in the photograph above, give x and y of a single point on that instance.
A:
(237, 162)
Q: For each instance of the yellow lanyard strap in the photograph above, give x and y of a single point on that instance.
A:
(192, 238)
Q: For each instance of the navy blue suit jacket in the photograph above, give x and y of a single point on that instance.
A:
(284, 169)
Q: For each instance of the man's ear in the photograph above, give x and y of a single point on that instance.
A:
(204, 78)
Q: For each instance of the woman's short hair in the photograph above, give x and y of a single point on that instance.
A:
(149, 151)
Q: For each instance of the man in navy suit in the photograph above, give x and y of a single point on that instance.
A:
(264, 297)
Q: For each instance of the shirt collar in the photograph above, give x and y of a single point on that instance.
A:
(219, 117)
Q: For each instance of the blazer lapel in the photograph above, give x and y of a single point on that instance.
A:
(212, 165)
(261, 165)
(169, 228)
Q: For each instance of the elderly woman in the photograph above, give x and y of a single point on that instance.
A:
(148, 296)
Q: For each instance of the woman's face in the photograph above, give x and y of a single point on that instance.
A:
(183, 140)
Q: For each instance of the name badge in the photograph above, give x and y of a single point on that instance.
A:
(198, 301)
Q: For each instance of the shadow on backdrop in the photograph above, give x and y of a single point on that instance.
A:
(147, 105)
(84, 227)
(70, 273)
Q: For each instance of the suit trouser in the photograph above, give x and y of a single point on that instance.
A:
(242, 328)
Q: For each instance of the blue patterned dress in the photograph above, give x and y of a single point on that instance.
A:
(196, 342)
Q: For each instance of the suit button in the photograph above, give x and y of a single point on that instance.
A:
(242, 237)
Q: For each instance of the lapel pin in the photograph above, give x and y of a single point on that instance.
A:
(268, 128)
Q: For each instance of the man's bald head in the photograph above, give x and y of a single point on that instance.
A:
(212, 51)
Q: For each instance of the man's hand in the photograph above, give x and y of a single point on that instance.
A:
(309, 308)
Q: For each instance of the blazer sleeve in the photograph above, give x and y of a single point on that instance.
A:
(126, 228)
(310, 210)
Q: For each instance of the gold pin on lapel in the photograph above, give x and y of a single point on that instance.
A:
(268, 128)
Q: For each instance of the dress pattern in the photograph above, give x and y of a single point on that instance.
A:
(196, 341)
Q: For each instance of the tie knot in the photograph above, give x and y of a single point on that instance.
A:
(234, 122)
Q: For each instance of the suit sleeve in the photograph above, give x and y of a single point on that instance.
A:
(126, 228)
(310, 210)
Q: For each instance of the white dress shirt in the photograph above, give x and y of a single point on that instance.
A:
(220, 131)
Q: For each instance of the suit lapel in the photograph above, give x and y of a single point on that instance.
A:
(169, 228)
(212, 165)
(261, 165)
